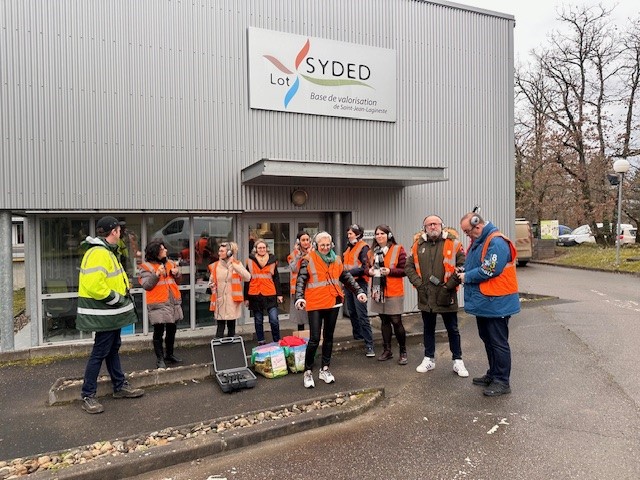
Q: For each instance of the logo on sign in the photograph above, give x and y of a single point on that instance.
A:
(334, 73)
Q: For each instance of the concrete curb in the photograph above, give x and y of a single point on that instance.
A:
(66, 390)
(181, 451)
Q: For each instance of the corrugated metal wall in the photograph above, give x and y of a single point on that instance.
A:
(144, 105)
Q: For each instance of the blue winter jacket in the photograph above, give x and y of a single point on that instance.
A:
(476, 272)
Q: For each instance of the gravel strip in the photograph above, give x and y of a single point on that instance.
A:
(55, 461)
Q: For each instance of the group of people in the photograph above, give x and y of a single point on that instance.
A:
(436, 266)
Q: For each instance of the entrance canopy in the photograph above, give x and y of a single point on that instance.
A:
(269, 171)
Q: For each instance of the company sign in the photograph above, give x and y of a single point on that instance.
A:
(296, 73)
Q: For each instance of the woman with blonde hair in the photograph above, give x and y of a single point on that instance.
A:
(225, 281)
(263, 292)
(318, 291)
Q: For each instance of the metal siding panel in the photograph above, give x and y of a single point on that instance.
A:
(158, 89)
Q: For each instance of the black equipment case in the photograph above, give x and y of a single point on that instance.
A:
(230, 364)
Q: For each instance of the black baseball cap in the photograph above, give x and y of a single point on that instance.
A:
(106, 224)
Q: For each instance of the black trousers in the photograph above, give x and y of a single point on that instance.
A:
(329, 317)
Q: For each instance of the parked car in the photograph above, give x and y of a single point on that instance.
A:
(627, 233)
(564, 230)
(524, 241)
(583, 234)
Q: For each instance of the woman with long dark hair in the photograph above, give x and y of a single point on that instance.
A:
(158, 276)
(301, 248)
(387, 259)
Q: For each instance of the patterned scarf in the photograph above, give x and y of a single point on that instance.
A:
(378, 282)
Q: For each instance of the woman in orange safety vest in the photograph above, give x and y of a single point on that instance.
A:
(158, 276)
(301, 248)
(318, 290)
(225, 281)
(263, 292)
(386, 268)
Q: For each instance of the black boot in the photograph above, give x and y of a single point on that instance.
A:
(157, 348)
(169, 340)
(387, 354)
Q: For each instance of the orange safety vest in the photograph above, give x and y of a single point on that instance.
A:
(395, 285)
(166, 283)
(323, 285)
(236, 286)
(261, 278)
(293, 278)
(506, 283)
(449, 251)
(351, 257)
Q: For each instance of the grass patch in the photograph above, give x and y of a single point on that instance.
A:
(589, 255)
(19, 301)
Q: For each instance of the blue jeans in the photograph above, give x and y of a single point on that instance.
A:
(258, 318)
(105, 347)
(359, 316)
(329, 317)
(494, 332)
(450, 320)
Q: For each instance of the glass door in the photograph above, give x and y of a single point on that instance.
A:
(280, 234)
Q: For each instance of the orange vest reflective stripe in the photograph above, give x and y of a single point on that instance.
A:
(166, 284)
(323, 285)
(236, 286)
(293, 278)
(261, 279)
(449, 252)
(395, 285)
(506, 283)
(351, 257)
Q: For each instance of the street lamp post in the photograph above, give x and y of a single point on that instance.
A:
(621, 167)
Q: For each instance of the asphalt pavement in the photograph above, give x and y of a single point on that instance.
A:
(32, 427)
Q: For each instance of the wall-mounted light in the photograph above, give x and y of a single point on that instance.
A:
(299, 197)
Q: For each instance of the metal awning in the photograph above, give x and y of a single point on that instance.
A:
(269, 171)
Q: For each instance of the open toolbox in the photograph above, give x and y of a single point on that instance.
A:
(230, 364)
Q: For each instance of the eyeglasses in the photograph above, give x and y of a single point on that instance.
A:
(469, 230)
(432, 224)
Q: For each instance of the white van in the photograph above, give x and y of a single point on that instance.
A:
(176, 232)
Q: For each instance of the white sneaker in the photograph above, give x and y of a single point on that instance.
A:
(326, 376)
(458, 367)
(308, 379)
(426, 365)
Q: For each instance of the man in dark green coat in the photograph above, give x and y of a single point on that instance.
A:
(431, 269)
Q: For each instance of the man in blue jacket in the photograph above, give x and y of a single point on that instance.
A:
(491, 294)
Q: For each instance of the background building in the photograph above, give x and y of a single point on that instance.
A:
(203, 122)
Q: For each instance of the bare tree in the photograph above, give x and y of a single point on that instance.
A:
(568, 103)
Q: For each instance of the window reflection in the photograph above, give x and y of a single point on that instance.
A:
(60, 255)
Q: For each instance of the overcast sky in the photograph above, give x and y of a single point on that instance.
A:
(535, 19)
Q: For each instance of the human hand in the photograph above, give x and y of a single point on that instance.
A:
(385, 271)
(161, 271)
(461, 276)
(301, 304)
(280, 299)
(362, 297)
